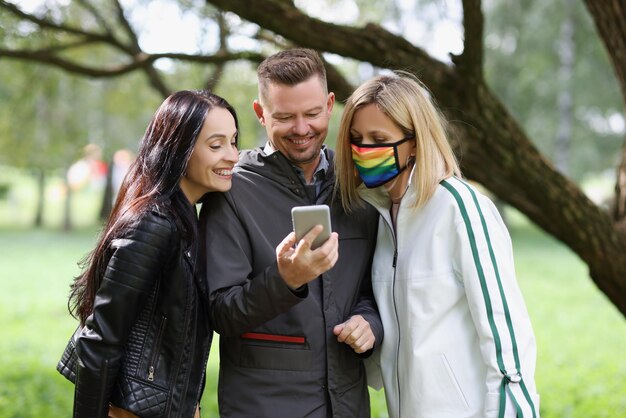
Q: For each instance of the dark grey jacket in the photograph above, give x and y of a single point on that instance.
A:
(278, 354)
(145, 346)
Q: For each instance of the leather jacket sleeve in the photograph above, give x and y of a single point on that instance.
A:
(132, 271)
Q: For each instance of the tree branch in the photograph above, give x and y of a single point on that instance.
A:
(153, 75)
(97, 15)
(44, 56)
(609, 18)
(126, 25)
(619, 205)
(53, 49)
(48, 24)
(470, 62)
(214, 80)
(337, 83)
(372, 44)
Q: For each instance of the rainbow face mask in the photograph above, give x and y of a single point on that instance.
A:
(377, 163)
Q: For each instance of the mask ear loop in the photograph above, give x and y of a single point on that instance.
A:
(396, 154)
(396, 160)
(410, 160)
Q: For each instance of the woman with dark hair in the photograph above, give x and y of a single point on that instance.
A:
(145, 335)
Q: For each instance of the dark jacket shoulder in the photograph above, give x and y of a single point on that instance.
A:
(154, 234)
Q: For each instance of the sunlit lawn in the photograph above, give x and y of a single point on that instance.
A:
(581, 337)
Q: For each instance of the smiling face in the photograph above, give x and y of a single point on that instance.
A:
(296, 120)
(215, 153)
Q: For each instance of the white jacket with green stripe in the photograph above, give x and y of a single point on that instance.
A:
(458, 339)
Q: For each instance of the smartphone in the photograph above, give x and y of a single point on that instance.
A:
(304, 218)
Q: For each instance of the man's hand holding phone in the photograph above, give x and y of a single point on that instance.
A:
(298, 262)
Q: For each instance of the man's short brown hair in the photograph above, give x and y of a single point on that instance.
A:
(290, 67)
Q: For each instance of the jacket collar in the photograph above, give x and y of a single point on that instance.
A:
(276, 167)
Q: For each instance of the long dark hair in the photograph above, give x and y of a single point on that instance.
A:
(152, 179)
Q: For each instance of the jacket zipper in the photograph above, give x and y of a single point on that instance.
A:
(186, 327)
(206, 360)
(395, 308)
(321, 199)
(105, 374)
(395, 305)
(188, 374)
(157, 349)
(194, 330)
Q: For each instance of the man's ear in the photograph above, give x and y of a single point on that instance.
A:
(258, 110)
(330, 101)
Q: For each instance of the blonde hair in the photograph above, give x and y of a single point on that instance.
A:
(406, 101)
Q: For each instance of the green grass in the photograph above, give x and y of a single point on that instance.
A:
(581, 337)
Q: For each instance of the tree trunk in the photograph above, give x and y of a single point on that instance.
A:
(567, 49)
(42, 138)
(67, 207)
(493, 149)
(619, 204)
(609, 17)
(41, 197)
(107, 196)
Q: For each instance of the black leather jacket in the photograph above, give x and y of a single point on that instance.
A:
(145, 347)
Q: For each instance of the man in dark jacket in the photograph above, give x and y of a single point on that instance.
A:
(294, 325)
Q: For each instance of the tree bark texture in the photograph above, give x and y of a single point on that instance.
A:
(609, 17)
(493, 149)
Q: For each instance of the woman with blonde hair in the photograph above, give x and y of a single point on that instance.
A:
(458, 338)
